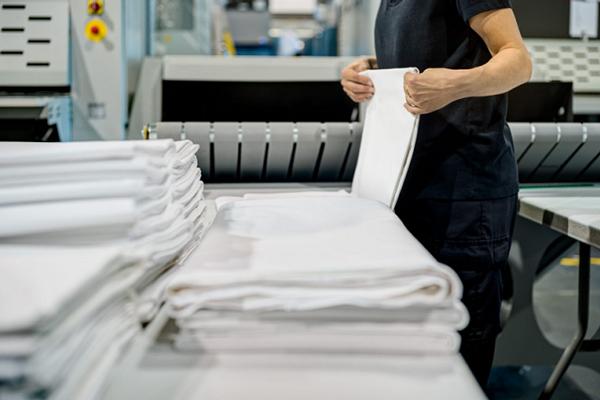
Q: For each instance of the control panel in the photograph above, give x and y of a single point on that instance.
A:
(34, 43)
(99, 72)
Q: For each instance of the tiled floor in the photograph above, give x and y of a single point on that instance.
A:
(555, 300)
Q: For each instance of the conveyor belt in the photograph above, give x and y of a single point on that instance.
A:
(327, 152)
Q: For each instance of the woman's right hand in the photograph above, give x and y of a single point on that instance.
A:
(359, 88)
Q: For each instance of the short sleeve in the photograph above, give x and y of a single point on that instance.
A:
(470, 8)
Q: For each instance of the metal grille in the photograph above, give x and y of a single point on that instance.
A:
(567, 60)
(34, 43)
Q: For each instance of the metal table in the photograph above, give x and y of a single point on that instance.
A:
(575, 212)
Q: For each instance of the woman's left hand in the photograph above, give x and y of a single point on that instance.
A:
(431, 90)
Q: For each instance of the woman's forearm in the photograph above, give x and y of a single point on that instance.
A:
(508, 69)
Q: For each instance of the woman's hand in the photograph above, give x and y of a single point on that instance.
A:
(359, 88)
(431, 90)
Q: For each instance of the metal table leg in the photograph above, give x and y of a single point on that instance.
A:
(582, 326)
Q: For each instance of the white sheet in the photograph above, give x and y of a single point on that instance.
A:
(388, 139)
(32, 153)
(47, 192)
(308, 253)
(57, 216)
(348, 338)
(64, 314)
(136, 168)
(37, 281)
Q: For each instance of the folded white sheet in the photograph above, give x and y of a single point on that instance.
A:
(84, 226)
(448, 314)
(308, 253)
(32, 153)
(48, 192)
(38, 281)
(323, 338)
(136, 168)
(388, 139)
(29, 219)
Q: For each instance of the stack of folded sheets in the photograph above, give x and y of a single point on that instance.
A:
(314, 272)
(87, 230)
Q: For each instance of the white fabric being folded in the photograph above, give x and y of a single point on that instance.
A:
(309, 253)
(388, 139)
(387, 144)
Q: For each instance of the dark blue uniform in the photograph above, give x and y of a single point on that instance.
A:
(459, 198)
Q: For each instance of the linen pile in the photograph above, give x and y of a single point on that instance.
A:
(311, 272)
(85, 228)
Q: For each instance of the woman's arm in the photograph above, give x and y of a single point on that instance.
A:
(509, 67)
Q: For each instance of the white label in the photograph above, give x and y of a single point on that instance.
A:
(584, 18)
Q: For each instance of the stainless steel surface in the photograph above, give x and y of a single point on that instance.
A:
(253, 69)
(574, 212)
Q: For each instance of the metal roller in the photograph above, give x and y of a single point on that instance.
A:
(274, 152)
(328, 152)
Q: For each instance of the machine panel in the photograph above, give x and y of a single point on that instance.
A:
(34, 43)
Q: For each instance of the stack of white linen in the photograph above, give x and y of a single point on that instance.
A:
(314, 272)
(85, 227)
(144, 193)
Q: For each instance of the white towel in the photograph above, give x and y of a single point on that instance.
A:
(388, 139)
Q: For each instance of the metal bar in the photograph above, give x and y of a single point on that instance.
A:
(582, 326)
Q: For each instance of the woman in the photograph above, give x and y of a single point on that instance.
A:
(459, 198)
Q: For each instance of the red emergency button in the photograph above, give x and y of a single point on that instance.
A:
(96, 30)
